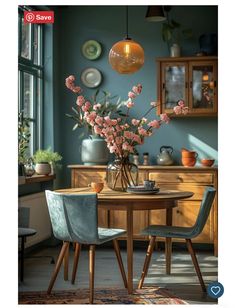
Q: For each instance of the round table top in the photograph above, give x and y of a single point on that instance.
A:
(107, 194)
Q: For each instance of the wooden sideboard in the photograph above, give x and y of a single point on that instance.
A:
(193, 179)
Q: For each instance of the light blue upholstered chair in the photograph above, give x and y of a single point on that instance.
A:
(180, 232)
(74, 219)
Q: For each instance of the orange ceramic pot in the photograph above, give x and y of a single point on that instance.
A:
(188, 161)
(97, 187)
(207, 162)
(189, 157)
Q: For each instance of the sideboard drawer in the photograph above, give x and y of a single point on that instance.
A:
(174, 177)
(84, 178)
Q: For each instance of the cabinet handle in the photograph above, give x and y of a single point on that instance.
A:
(186, 84)
(179, 178)
(215, 83)
(179, 212)
(163, 85)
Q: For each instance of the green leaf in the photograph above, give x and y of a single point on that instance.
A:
(75, 110)
(166, 33)
(75, 126)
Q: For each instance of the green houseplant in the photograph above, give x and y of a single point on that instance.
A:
(46, 161)
(173, 32)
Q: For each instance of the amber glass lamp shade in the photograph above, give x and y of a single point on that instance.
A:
(126, 56)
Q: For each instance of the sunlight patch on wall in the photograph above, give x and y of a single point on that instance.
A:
(203, 149)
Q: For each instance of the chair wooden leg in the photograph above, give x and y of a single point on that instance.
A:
(66, 263)
(168, 252)
(147, 261)
(195, 263)
(58, 265)
(76, 260)
(22, 255)
(120, 262)
(91, 272)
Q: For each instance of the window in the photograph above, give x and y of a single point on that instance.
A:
(30, 76)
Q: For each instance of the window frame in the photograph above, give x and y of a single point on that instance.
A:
(27, 66)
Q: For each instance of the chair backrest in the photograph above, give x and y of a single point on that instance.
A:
(73, 216)
(206, 204)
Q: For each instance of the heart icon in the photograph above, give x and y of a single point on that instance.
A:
(215, 290)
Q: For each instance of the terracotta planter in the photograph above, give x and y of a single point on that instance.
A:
(43, 168)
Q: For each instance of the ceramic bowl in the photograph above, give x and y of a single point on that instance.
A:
(97, 187)
(207, 162)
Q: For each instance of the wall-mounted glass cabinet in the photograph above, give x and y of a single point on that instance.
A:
(191, 79)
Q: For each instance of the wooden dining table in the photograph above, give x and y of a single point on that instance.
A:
(123, 201)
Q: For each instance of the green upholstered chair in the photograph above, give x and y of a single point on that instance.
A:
(74, 219)
(186, 233)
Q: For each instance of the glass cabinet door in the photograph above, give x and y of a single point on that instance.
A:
(203, 92)
(174, 85)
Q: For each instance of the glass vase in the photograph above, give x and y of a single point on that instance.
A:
(122, 173)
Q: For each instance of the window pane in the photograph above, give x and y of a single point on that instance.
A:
(36, 44)
(25, 39)
(28, 94)
(203, 87)
(31, 143)
(174, 85)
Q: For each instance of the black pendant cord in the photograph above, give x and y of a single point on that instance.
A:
(127, 23)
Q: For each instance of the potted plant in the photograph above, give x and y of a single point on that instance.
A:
(46, 161)
(172, 32)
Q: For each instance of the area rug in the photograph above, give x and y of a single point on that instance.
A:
(145, 296)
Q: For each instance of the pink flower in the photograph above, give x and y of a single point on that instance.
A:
(164, 117)
(177, 110)
(137, 138)
(128, 134)
(99, 120)
(154, 124)
(97, 130)
(119, 140)
(185, 110)
(137, 89)
(97, 106)
(85, 108)
(144, 120)
(76, 89)
(135, 122)
(142, 131)
(131, 95)
(181, 103)
(130, 104)
(80, 100)
(153, 104)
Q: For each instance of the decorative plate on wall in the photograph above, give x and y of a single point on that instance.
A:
(91, 77)
(91, 50)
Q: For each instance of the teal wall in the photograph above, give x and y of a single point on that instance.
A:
(106, 24)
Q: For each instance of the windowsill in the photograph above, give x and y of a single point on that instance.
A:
(37, 179)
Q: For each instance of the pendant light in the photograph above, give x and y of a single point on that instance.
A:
(155, 13)
(126, 56)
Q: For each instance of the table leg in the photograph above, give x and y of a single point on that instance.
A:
(130, 249)
(66, 262)
(168, 245)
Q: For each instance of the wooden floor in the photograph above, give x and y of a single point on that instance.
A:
(182, 282)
